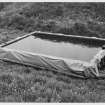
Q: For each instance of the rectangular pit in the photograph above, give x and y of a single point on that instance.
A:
(59, 46)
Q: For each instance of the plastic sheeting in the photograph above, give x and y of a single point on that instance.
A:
(97, 58)
(65, 66)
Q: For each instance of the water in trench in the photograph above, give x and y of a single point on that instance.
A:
(56, 48)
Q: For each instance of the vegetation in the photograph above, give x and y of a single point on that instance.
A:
(19, 83)
(7, 35)
(85, 19)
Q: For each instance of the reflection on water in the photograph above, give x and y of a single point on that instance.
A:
(74, 40)
(56, 47)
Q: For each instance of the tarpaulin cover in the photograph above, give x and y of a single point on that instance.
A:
(70, 67)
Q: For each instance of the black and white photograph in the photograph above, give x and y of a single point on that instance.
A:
(52, 52)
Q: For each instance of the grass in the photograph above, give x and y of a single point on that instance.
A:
(19, 83)
(86, 19)
(9, 34)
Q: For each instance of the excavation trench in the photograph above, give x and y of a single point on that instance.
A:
(59, 52)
